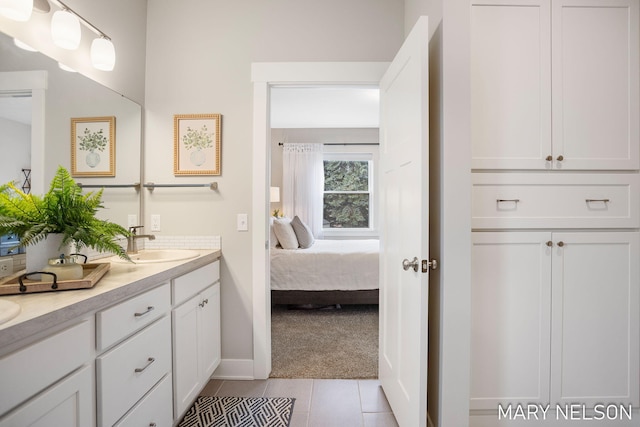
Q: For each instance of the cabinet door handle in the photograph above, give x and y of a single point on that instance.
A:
(149, 362)
(560, 158)
(560, 244)
(549, 243)
(150, 308)
(153, 425)
(507, 200)
(549, 158)
(597, 200)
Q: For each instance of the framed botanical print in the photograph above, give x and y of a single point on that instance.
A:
(196, 142)
(93, 146)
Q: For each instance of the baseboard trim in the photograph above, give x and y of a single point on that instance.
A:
(234, 369)
(430, 421)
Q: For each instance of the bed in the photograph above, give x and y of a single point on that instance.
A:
(329, 272)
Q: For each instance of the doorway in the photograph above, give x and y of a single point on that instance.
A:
(265, 76)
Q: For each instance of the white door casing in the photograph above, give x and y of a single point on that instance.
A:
(404, 158)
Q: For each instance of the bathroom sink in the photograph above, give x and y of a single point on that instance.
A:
(149, 256)
(8, 310)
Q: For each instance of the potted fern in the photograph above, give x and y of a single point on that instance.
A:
(63, 212)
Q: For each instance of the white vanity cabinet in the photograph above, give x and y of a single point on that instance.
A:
(554, 84)
(131, 369)
(55, 375)
(196, 333)
(555, 318)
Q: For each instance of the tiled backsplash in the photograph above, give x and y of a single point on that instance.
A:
(183, 242)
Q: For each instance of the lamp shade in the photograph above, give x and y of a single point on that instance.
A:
(65, 30)
(18, 10)
(103, 54)
(274, 194)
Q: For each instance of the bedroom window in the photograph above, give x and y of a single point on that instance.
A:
(347, 192)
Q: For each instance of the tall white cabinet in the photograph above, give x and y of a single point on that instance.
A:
(556, 205)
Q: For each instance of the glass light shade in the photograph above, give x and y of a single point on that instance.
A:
(65, 30)
(23, 45)
(103, 54)
(18, 10)
(66, 68)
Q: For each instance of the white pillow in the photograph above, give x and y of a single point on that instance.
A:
(273, 239)
(303, 233)
(285, 234)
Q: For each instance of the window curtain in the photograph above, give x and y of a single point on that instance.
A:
(303, 184)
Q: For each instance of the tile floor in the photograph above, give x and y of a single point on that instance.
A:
(319, 403)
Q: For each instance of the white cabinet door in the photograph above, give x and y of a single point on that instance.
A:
(186, 380)
(196, 346)
(67, 404)
(595, 319)
(510, 84)
(554, 84)
(510, 318)
(595, 84)
(209, 329)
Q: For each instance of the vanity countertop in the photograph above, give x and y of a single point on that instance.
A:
(40, 311)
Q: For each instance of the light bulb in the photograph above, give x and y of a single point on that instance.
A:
(65, 30)
(17, 10)
(23, 45)
(103, 54)
(66, 68)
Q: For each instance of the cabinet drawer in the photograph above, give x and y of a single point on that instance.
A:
(195, 281)
(128, 371)
(120, 321)
(555, 200)
(45, 361)
(153, 409)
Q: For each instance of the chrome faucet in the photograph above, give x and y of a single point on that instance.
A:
(132, 247)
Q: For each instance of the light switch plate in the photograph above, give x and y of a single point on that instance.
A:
(243, 222)
(155, 222)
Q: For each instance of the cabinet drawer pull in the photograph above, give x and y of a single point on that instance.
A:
(152, 425)
(597, 200)
(150, 308)
(149, 362)
(507, 200)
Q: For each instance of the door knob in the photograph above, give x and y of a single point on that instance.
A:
(415, 264)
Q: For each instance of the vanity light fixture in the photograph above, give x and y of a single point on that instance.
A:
(65, 29)
(103, 54)
(66, 68)
(17, 10)
(23, 45)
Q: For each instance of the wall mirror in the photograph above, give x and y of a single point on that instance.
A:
(68, 97)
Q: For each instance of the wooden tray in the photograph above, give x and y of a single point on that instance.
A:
(92, 274)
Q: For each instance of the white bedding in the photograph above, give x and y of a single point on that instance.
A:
(328, 265)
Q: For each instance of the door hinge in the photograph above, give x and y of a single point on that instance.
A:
(429, 265)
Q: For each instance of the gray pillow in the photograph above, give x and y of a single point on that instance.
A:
(273, 239)
(303, 233)
(285, 234)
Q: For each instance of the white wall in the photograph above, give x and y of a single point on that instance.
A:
(199, 56)
(15, 140)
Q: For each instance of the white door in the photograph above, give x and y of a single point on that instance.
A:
(404, 135)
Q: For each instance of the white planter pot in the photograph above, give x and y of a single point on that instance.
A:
(38, 255)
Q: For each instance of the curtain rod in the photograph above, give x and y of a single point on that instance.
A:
(337, 143)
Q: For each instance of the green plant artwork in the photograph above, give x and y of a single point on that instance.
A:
(92, 141)
(197, 139)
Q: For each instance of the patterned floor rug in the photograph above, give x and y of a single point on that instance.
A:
(210, 411)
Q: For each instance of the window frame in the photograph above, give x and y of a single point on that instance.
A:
(368, 153)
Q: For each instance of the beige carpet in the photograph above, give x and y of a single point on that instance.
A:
(325, 343)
